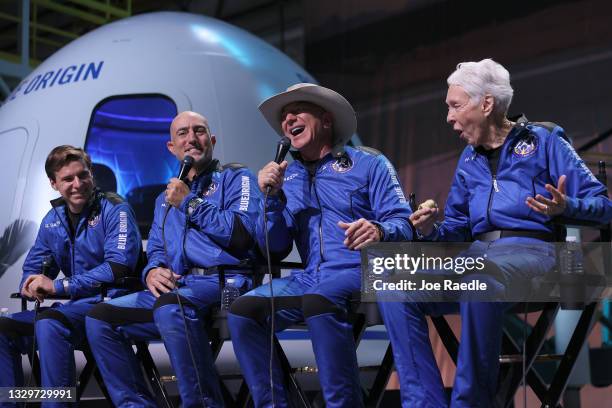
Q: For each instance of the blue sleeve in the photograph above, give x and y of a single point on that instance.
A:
(387, 198)
(232, 226)
(586, 197)
(37, 254)
(456, 224)
(280, 226)
(155, 245)
(122, 245)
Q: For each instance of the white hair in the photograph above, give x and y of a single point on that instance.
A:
(484, 77)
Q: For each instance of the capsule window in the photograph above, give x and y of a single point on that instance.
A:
(127, 143)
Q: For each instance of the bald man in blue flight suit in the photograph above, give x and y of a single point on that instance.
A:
(511, 180)
(209, 223)
(331, 201)
(93, 238)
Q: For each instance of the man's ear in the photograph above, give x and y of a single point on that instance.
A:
(53, 184)
(170, 146)
(213, 140)
(488, 103)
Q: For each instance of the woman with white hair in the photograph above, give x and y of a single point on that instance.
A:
(511, 180)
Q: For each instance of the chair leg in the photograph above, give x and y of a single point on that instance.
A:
(359, 327)
(84, 377)
(153, 376)
(91, 368)
(533, 380)
(227, 395)
(510, 383)
(447, 336)
(35, 366)
(581, 332)
(533, 344)
(294, 391)
(216, 344)
(243, 399)
(382, 378)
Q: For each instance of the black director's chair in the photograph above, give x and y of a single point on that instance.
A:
(361, 315)
(90, 367)
(128, 283)
(517, 362)
(218, 333)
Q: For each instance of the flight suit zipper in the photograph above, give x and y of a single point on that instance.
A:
(494, 184)
(314, 188)
(71, 238)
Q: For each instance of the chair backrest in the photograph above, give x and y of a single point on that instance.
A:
(142, 199)
(105, 177)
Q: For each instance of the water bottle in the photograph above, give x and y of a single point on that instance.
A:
(571, 258)
(370, 277)
(4, 312)
(572, 285)
(229, 294)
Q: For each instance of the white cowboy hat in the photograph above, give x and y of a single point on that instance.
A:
(344, 119)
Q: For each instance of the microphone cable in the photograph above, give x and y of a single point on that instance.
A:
(282, 148)
(46, 266)
(272, 311)
(185, 168)
(180, 303)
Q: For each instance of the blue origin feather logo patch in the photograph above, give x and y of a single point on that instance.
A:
(94, 221)
(211, 189)
(525, 148)
(342, 165)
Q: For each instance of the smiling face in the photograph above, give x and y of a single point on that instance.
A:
(190, 136)
(309, 127)
(75, 183)
(468, 118)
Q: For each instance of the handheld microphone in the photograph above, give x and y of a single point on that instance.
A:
(186, 166)
(282, 148)
(45, 270)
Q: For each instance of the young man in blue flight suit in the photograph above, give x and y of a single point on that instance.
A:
(331, 201)
(195, 228)
(92, 237)
(511, 180)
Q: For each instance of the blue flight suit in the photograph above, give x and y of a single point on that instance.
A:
(105, 247)
(214, 225)
(532, 155)
(345, 186)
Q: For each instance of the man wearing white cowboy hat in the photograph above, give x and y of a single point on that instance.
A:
(331, 201)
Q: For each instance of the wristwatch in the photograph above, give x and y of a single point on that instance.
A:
(193, 204)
